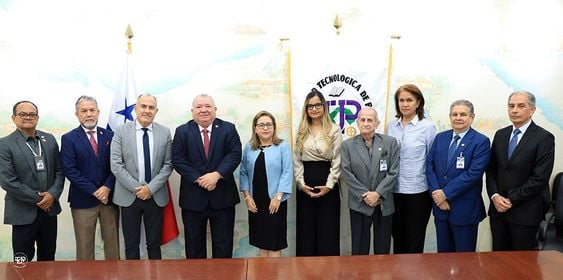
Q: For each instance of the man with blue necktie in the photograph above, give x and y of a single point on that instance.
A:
(455, 180)
(518, 176)
(141, 161)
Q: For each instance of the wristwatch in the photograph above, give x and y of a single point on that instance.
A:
(279, 197)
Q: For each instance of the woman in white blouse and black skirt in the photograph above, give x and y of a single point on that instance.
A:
(316, 159)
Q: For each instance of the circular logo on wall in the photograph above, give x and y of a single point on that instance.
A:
(20, 260)
(345, 97)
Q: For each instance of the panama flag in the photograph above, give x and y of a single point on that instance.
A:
(122, 111)
(124, 99)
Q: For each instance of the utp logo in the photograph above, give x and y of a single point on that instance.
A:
(345, 97)
(20, 260)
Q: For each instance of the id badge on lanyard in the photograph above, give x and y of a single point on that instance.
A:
(39, 161)
(460, 162)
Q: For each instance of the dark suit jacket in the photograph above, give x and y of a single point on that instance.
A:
(84, 170)
(524, 179)
(462, 187)
(189, 161)
(19, 178)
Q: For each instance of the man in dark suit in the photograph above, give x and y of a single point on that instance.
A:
(454, 171)
(206, 152)
(141, 162)
(518, 176)
(32, 178)
(370, 166)
(85, 162)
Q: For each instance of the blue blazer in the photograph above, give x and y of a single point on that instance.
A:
(462, 187)
(188, 159)
(279, 169)
(83, 169)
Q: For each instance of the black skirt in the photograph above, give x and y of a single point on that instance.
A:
(266, 231)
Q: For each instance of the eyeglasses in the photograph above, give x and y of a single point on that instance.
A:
(23, 115)
(264, 125)
(317, 106)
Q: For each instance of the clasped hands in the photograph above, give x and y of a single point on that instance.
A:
(310, 191)
(143, 192)
(372, 199)
(501, 203)
(102, 194)
(440, 200)
(209, 180)
(46, 201)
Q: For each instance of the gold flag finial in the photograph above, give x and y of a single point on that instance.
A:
(129, 35)
(337, 23)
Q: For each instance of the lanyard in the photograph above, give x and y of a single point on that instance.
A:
(32, 151)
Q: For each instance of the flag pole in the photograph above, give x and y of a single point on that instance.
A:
(287, 49)
(129, 35)
(389, 76)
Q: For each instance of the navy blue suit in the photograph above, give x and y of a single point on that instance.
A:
(198, 204)
(87, 173)
(84, 170)
(456, 229)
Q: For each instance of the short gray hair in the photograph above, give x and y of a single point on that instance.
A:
(203, 95)
(85, 98)
(531, 97)
(147, 95)
(367, 108)
(463, 102)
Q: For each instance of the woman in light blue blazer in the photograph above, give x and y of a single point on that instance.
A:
(266, 175)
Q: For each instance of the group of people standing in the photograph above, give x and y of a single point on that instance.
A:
(394, 181)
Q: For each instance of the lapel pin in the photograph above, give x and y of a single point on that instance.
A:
(379, 149)
(462, 144)
(216, 126)
(43, 138)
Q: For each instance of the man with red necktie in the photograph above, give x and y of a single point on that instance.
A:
(84, 157)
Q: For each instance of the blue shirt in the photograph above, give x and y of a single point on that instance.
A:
(415, 140)
(523, 129)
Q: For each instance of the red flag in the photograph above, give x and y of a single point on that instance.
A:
(169, 225)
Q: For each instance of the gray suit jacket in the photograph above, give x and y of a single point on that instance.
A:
(124, 164)
(363, 174)
(19, 178)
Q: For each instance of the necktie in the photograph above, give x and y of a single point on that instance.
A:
(452, 148)
(513, 142)
(206, 142)
(147, 155)
(93, 142)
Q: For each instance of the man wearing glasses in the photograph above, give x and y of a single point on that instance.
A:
(32, 178)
